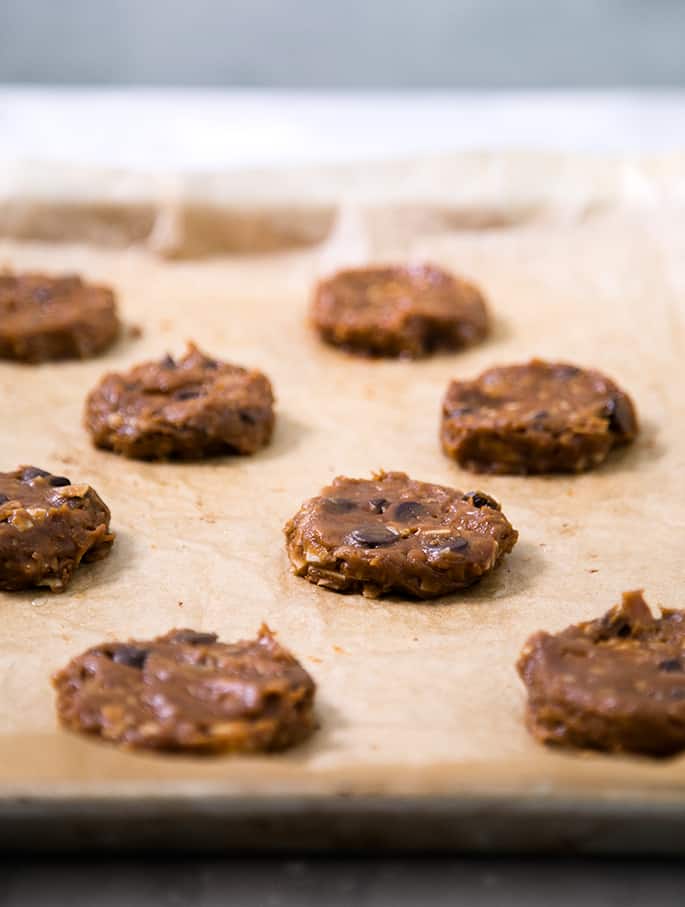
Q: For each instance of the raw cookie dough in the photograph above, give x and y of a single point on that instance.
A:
(535, 418)
(44, 318)
(406, 311)
(616, 683)
(47, 527)
(191, 408)
(186, 691)
(393, 534)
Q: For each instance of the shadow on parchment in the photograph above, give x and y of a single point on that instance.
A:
(517, 572)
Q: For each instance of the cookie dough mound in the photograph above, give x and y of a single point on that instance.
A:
(186, 691)
(615, 684)
(409, 311)
(44, 318)
(191, 408)
(47, 527)
(541, 417)
(393, 534)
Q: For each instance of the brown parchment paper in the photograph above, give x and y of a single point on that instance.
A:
(580, 259)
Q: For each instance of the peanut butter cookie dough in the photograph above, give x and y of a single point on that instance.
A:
(47, 527)
(540, 417)
(393, 534)
(186, 691)
(408, 311)
(44, 318)
(188, 409)
(615, 684)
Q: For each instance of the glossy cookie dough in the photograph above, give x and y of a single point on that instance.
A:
(409, 311)
(186, 691)
(540, 417)
(44, 318)
(393, 534)
(189, 408)
(47, 527)
(616, 683)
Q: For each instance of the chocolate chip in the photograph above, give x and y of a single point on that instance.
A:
(168, 361)
(187, 393)
(194, 638)
(247, 418)
(620, 415)
(409, 510)
(670, 665)
(440, 543)
(58, 481)
(622, 630)
(32, 472)
(131, 656)
(3, 498)
(339, 505)
(211, 364)
(373, 536)
(378, 505)
(42, 294)
(461, 411)
(541, 414)
(479, 500)
(567, 371)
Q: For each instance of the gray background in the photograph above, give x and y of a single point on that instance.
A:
(345, 43)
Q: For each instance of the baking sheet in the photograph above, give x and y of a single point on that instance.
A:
(417, 702)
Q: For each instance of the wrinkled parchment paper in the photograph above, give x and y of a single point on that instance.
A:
(581, 259)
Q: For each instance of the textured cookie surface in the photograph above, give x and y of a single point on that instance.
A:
(187, 691)
(615, 684)
(44, 318)
(398, 311)
(393, 534)
(191, 408)
(535, 418)
(47, 527)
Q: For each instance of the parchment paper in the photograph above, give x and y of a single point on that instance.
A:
(580, 259)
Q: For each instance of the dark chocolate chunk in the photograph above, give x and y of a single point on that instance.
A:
(339, 505)
(187, 393)
(3, 498)
(131, 656)
(409, 510)
(378, 505)
(482, 500)
(168, 361)
(32, 472)
(670, 664)
(567, 371)
(620, 415)
(58, 481)
(42, 295)
(193, 638)
(247, 417)
(541, 414)
(441, 543)
(373, 536)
